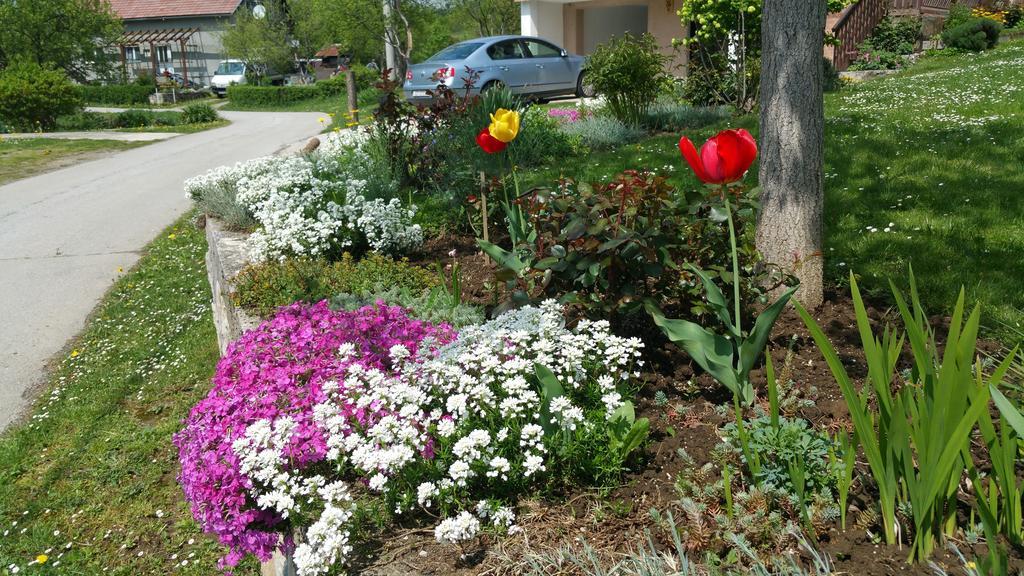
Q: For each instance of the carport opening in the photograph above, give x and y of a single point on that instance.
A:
(602, 22)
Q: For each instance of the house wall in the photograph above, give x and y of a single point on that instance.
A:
(205, 50)
(542, 19)
(586, 24)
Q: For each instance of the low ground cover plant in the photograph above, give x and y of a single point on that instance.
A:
(264, 287)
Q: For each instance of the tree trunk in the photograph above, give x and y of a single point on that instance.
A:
(792, 142)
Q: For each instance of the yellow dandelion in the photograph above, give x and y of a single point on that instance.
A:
(120, 270)
(42, 558)
(321, 120)
(74, 353)
(172, 236)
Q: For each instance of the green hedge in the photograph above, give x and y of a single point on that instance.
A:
(117, 94)
(245, 95)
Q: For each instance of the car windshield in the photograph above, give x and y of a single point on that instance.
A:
(455, 52)
(230, 68)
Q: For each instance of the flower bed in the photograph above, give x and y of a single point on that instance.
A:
(333, 422)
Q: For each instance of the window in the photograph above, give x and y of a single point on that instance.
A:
(455, 52)
(132, 53)
(538, 49)
(163, 53)
(507, 50)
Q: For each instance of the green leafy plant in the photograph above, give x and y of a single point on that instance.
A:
(432, 304)
(117, 94)
(959, 13)
(629, 72)
(916, 439)
(33, 96)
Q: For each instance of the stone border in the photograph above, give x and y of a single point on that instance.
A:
(226, 255)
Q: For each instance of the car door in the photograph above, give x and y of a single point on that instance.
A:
(556, 72)
(513, 68)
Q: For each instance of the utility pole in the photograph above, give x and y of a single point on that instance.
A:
(389, 41)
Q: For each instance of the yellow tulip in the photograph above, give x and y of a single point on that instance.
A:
(504, 125)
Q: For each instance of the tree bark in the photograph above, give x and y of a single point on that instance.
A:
(789, 228)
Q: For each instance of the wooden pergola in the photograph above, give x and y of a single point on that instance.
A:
(154, 37)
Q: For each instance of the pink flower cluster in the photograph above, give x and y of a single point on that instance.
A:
(567, 115)
(279, 369)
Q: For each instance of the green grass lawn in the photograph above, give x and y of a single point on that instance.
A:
(925, 168)
(24, 157)
(90, 479)
(180, 128)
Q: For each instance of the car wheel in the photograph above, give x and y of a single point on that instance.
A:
(491, 85)
(584, 90)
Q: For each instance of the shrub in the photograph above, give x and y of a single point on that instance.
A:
(716, 81)
(84, 121)
(870, 59)
(601, 132)
(267, 96)
(974, 35)
(33, 97)
(958, 14)
(896, 35)
(198, 114)
(610, 246)
(133, 119)
(830, 76)
(630, 73)
(118, 94)
(314, 402)
(671, 116)
(1013, 16)
(266, 286)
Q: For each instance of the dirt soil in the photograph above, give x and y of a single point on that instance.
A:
(621, 521)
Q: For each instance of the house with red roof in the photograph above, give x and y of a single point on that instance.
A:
(180, 37)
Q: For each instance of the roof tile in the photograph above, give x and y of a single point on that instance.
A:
(144, 9)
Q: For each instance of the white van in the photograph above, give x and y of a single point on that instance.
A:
(228, 72)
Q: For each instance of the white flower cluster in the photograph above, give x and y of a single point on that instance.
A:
(293, 205)
(387, 226)
(444, 430)
(311, 205)
(227, 177)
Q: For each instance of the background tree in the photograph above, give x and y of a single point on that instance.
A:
(67, 34)
(489, 17)
(262, 42)
(792, 142)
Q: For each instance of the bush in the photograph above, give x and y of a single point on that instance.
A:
(974, 35)
(33, 97)
(601, 132)
(84, 121)
(897, 35)
(266, 96)
(609, 246)
(198, 114)
(715, 82)
(266, 286)
(133, 119)
(630, 73)
(670, 116)
(830, 76)
(870, 59)
(958, 14)
(118, 94)
(1014, 15)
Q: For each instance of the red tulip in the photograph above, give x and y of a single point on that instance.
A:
(722, 159)
(489, 143)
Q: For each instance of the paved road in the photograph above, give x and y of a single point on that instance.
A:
(63, 234)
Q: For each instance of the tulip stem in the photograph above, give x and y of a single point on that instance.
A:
(735, 261)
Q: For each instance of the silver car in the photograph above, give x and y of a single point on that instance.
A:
(529, 66)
